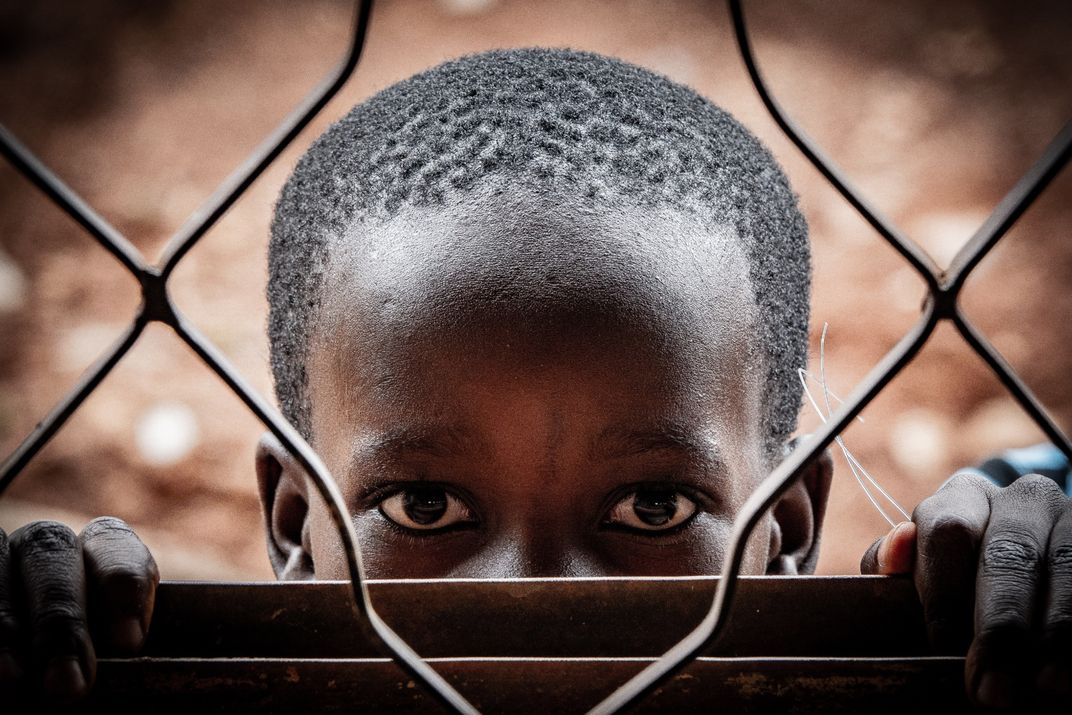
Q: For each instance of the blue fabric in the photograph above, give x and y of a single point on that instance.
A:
(1044, 459)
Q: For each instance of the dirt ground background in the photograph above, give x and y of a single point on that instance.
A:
(934, 109)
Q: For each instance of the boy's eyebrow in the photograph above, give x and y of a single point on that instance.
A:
(434, 440)
(624, 441)
(613, 442)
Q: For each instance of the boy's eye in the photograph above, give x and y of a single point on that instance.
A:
(651, 509)
(426, 508)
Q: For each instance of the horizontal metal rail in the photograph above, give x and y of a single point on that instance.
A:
(878, 686)
(561, 643)
(658, 674)
(807, 616)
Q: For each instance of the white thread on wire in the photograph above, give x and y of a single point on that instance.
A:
(863, 477)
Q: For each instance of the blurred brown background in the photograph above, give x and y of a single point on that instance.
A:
(934, 109)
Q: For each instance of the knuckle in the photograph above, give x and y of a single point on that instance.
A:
(119, 555)
(1012, 554)
(1060, 558)
(967, 481)
(45, 537)
(106, 526)
(1035, 487)
(926, 512)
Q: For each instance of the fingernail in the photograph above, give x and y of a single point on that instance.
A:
(884, 550)
(1056, 679)
(995, 689)
(127, 634)
(64, 680)
(903, 528)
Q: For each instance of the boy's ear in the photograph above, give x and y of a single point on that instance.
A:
(285, 503)
(797, 519)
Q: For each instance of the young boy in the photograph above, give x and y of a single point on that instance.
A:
(541, 313)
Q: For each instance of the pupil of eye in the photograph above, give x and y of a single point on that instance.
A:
(655, 507)
(425, 506)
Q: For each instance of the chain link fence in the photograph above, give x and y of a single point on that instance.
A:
(943, 290)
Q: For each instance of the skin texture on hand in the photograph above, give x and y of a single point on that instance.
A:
(64, 598)
(993, 569)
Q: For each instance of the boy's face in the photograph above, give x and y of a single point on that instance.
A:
(520, 387)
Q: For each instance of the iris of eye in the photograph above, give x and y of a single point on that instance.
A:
(425, 506)
(655, 507)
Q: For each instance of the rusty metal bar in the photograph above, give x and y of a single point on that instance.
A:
(806, 616)
(558, 643)
(876, 686)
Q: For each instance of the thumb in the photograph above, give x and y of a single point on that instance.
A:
(894, 553)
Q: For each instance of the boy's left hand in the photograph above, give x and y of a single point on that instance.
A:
(993, 568)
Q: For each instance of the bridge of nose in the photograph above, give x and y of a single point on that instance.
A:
(542, 551)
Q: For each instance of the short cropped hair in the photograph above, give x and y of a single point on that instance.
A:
(597, 125)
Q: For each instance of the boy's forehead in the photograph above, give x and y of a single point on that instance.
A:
(520, 251)
(515, 269)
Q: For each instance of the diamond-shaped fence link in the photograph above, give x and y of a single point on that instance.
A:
(941, 304)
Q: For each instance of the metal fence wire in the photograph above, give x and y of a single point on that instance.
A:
(944, 287)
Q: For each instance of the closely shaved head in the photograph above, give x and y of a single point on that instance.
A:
(493, 135)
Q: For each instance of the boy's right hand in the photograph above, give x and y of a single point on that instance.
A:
(64, 597)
